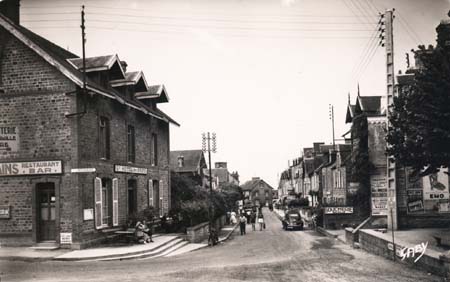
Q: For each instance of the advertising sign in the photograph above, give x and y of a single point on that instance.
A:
(9, 138)
(338, 210)
(5, 212)
(435, 186)
(30, 168)
(378, 188)
(65, 238)
(130, 169)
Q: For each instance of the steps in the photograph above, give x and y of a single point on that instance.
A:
(162, 246)
(46, 246)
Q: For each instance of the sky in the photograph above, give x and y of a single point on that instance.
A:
(260, 74)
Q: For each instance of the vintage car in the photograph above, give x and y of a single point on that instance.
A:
(292, 220)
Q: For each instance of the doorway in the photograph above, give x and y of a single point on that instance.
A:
(46, 212)
(132, 197)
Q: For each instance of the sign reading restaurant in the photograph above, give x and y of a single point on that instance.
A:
(30, 168)
(338, 210)
(130, 169)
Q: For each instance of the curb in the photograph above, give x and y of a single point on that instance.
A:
(229, 234)
(323, 231)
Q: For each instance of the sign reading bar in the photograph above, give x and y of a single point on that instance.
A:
(30, 168)
(130, 169)
(9, 138)
(5, 212)
(337, 210)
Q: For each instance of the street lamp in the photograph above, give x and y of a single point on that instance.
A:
(209, 145)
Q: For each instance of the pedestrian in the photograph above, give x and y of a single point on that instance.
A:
(242, 223)
(253, 220)
(148, 229)
(233, 219)
(261, 221)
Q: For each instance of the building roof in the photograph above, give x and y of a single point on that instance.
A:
(370, 105)
(254, 183)
(350, 113)
(67, 63)
(192, 160)
(132, 78)
(157, 92)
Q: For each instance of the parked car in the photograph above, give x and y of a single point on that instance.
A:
(292, 220)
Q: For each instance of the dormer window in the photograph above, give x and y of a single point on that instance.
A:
(180, 161)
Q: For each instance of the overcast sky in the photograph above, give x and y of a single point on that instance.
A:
(261, 74)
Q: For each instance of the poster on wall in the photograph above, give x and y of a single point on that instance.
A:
(378, 189)
(435, 186)
(9, 138)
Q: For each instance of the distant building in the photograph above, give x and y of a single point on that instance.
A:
(258, 192)
(190, 163)
(220, 175)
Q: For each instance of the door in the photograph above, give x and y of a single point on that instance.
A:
(132, 198)
(46, 212)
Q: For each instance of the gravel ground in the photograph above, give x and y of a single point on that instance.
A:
(268, 255)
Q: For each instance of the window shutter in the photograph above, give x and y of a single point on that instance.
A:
(115, 198)
(150, 193)
(161, 198)
(98, 202)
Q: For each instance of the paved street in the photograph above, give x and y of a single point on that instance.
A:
(268, 255)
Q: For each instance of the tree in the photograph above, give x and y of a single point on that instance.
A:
(419, 131)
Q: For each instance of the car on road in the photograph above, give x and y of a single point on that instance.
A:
(292, 220)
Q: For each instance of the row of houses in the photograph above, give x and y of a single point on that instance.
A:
(191, 163)
(348, 182)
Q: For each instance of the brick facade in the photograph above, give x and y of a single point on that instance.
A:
(36, 98)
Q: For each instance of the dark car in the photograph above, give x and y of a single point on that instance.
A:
(292, 220)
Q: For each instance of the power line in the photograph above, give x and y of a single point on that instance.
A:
(205, 26)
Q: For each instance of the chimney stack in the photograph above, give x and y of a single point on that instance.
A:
(11, 10)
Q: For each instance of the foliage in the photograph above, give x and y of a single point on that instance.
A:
(360, 165)
(419, 131)
(300, 202)
(191, 202)
(147, 214)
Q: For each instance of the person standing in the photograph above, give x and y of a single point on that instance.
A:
(261, 221)
(242, 223)
(253, 220)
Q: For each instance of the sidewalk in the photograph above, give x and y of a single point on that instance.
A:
(224, 233)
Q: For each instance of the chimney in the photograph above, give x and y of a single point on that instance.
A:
(11, 10)
(124, 65)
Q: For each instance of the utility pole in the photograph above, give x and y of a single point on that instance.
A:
(331, 112)
(83, 42)
(207, 139)
(390, 80)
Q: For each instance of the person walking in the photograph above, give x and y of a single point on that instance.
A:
(261, 221)
(242, 223)
(253, 220)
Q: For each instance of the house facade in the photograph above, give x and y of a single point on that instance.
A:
(190, 163)
(81, 158)
(258, 192)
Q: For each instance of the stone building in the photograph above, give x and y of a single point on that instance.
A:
(258, 192)
(77, 160)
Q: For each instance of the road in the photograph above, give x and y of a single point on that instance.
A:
(268, 255)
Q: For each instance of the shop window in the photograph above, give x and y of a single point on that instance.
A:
(154, 150)
(104, 138)
(131, 144)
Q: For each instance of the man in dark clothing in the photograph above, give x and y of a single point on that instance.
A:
(242, 223)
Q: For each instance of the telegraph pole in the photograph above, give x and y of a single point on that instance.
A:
(331, 111)
(83, 42)
(390, 80)
(207, 139)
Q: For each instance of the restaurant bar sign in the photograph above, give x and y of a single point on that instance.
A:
(338, 210)
(130, 169)
(9, 138)
(30, 168)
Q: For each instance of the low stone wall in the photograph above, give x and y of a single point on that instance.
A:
(423, 220)
(380, 244)
(200, 232)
